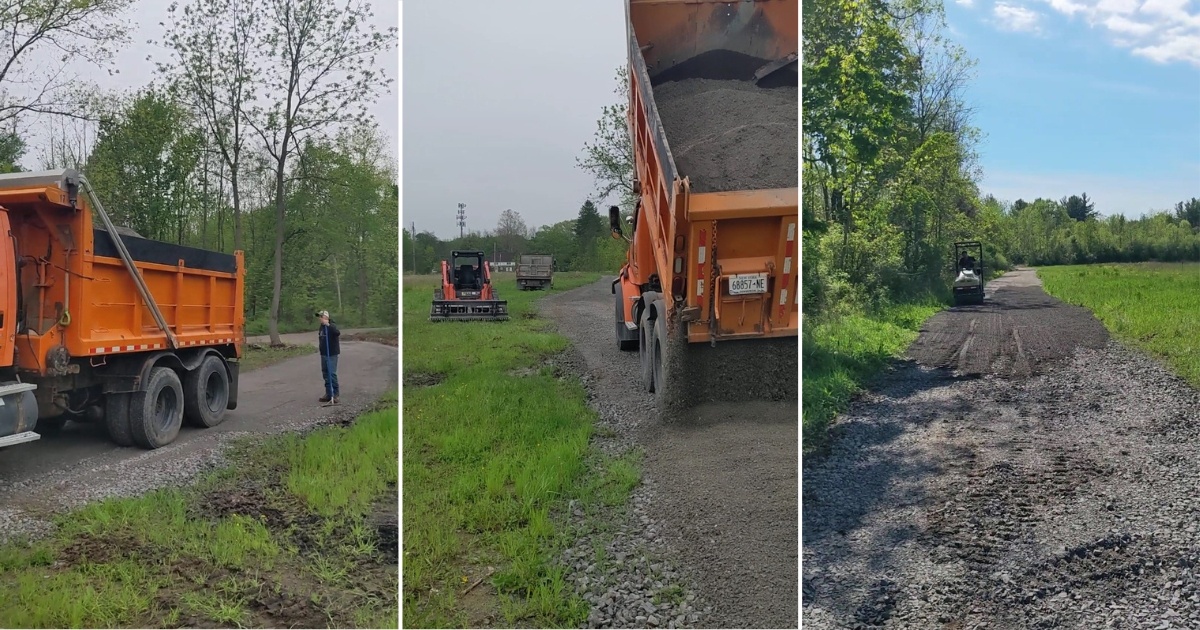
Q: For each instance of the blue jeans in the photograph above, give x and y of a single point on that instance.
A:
(329, 373)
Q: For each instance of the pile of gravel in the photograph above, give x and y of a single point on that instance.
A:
(732, 135)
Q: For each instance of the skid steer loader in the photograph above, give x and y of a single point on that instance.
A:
(968, 273)
(467, 293)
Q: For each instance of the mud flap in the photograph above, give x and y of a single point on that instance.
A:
(234, 368)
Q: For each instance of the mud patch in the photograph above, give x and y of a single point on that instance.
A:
(384, 337)
(423, 379)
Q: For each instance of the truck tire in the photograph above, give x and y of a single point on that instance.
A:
(116, 419)
(658, 361)
(625, 340)
(206, 394)
(645, 349)
(156, 414)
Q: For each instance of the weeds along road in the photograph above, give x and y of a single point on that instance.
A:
(720, 490)
(1043, 477)
(82, 464)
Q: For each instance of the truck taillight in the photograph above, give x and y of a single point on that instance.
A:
(678, 265)
(677, 287)
(701, 252)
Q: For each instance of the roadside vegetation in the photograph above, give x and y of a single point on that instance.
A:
(495, 450)
(890, 182)
(297, 530)
(1149, 306)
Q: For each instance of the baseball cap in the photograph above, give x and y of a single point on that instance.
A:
(322, 313)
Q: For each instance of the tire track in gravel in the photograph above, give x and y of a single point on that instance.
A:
(1054, 488)
(718, 501)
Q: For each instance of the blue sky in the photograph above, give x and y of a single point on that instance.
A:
(1095, 96)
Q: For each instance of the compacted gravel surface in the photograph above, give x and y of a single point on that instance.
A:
(1051, 483)
(709, 539)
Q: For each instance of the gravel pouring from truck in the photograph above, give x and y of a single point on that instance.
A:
(709, 292)
(97, 325)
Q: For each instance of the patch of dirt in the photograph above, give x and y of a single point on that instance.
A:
(385, 519)
(422, 379)
(384, 337)
(730, 135)
(1047, 497)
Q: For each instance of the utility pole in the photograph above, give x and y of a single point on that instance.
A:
(414, 243)
(462, 218)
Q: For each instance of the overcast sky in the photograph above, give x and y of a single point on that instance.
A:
(499, 98)
(135, 71)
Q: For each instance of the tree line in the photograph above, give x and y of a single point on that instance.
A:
(580, 244)
(890, 169)
(254, 135)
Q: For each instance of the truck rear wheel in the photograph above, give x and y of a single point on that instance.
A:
(646, 349)
(658, 361)
(155, 415)
(116, 419)
(206, 393)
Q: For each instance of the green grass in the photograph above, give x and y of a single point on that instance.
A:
(495, 446)
(1151, 306)
(286, 535)
(843, 352)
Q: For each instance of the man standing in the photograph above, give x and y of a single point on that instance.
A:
(329, 345)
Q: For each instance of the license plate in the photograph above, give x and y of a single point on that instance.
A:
(746, 283)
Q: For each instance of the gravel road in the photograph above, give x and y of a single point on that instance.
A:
(712, 530)
(81, 464)
(1045, 483)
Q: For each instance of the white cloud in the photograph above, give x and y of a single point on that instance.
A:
(1016, 18)
(1163, 31)
(965, 3)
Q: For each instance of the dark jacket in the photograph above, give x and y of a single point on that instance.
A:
(329, 340)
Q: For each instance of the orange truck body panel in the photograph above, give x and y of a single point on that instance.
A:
(87, 302)
(676, 232)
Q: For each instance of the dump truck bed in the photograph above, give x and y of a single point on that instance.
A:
(717, 162)
(85, 286)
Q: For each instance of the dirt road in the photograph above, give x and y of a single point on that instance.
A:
(719, 490)
(81, 464)
(1046, 478)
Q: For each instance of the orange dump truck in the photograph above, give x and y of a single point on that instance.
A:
(709, 292)
(96, 326)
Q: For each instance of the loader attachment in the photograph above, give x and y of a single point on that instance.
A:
(468, 310)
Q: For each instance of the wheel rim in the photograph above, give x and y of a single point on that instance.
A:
(214, 392)
(166, 404)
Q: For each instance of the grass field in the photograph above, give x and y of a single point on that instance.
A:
(1152, 306)
(842, 353)
(495, 446)
(298, 531)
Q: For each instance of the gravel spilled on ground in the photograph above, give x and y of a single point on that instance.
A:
(1065, 499)
(709, 538)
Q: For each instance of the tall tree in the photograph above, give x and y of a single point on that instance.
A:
(212, 42)
(144, 158)
(1078, 207)
(511, 232)
(320, 71)
(69, 29)
(609, 157)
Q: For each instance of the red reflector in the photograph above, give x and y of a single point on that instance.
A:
(703, 237)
